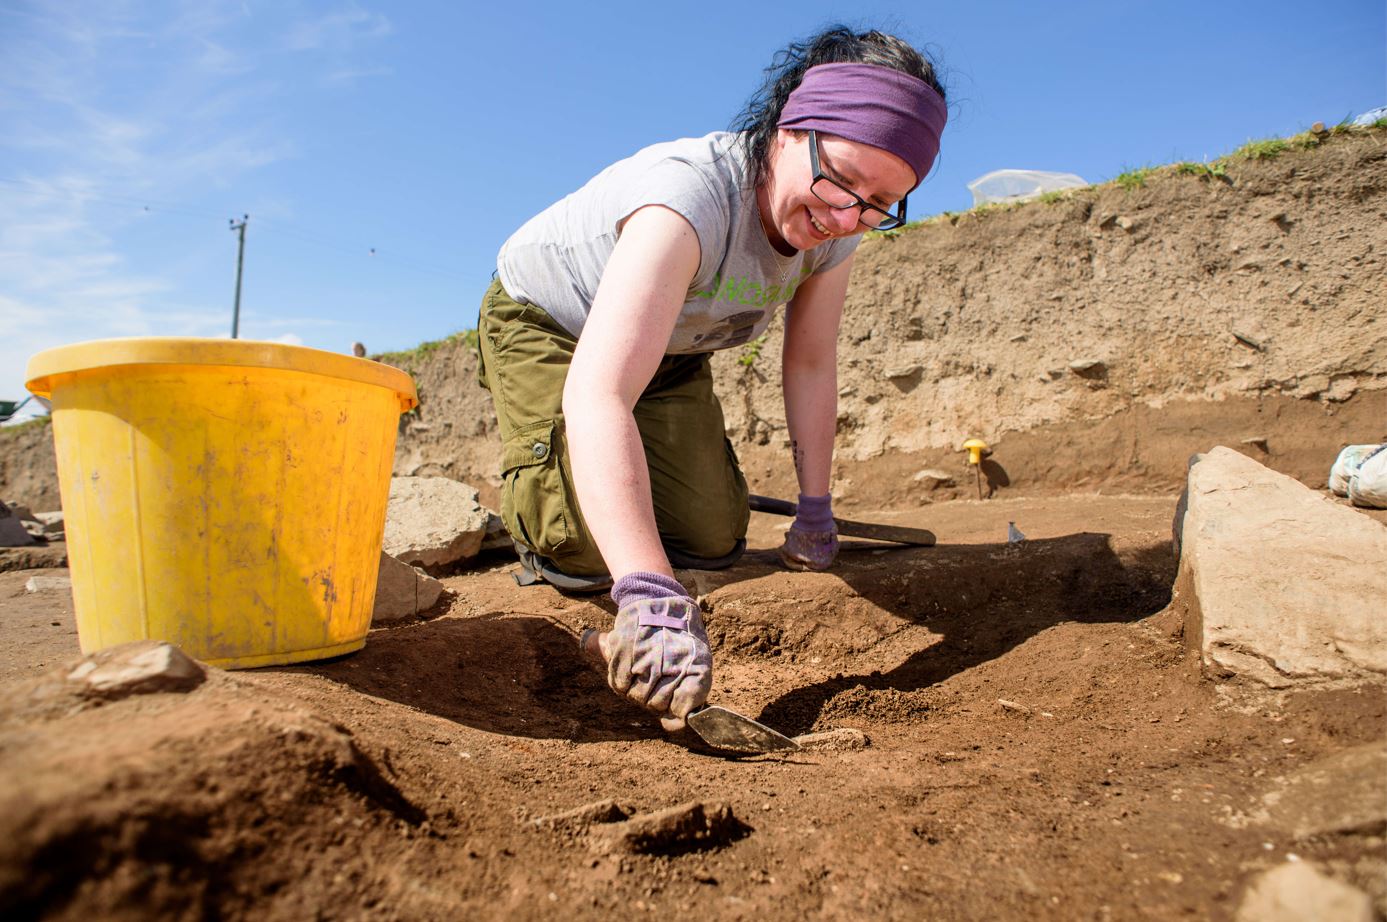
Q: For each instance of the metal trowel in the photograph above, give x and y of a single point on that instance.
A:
(717, 726)
(724, 729)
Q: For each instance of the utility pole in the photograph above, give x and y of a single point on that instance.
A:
(239, 227)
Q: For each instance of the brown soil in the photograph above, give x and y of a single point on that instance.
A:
(1041, 746)
(1041, 743)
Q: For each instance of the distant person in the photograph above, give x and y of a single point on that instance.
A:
(595, 340)
(359, 350)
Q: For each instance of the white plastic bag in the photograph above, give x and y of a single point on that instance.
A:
(1020, 185)
(1345, 466)
(1369, 486)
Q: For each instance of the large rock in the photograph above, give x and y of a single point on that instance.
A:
(402, 591)
(433, 521)
(1279, 585)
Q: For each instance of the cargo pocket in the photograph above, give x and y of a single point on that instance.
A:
(536, 505)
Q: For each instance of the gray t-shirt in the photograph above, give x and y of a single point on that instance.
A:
(556, 259)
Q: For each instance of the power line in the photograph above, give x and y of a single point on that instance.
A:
(272, 225)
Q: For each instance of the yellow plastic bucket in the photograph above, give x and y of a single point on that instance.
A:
(223, 495)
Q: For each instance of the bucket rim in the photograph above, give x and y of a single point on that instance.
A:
(96, 354)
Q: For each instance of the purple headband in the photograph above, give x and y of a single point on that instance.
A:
(871, 104)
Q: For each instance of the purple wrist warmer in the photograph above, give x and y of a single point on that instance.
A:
(645, 587)
(814, 513)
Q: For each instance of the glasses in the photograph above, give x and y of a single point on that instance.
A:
(840, 197)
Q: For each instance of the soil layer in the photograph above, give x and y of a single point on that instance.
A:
(1040, 745)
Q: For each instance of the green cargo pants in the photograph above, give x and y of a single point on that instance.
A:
(699, 493)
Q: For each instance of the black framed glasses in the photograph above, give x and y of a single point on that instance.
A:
(840, 197)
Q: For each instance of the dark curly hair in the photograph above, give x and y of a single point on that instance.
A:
(835, 45)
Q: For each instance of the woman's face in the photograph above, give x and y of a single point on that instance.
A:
(794, 218)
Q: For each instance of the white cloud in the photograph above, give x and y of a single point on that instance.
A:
(339, 31)
(107, 104)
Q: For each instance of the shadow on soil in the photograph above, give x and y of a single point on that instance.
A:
(520, 676)
(985, 600)
(524, 675)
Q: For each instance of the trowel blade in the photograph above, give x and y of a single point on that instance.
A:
(729, 730)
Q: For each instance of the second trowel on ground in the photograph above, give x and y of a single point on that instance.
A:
(717, 726)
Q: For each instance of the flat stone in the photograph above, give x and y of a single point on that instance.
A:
(933, 478)
(1089, 368)
(1297, 892)
(1343, 794)
(1278, 584)
(433, 521)
(904, 371)
(687, 827)
(402, 591)
(48, 584)
(138, 668)
(839, 739)
(54, 528)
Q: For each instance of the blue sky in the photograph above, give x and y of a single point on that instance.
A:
(385, 151)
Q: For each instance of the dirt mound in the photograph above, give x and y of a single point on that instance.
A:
(194, 794)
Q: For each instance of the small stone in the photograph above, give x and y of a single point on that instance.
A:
(48, 584)
(839, 739)
(53, 524)
(1258, 442)
(138, 668)
(1296, 892)
(1013, 706)
(1092, 369)
(933, 478)
(602, 811)
(1125, 222)
(903, 371)
(1249, 341)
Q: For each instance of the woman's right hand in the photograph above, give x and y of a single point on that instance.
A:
(657, 655)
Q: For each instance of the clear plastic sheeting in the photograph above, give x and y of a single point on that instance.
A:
(1020, 185)
(1371, 117)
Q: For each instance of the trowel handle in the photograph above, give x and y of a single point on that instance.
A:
(591, 644)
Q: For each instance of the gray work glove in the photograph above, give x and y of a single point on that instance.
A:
(657, 655)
